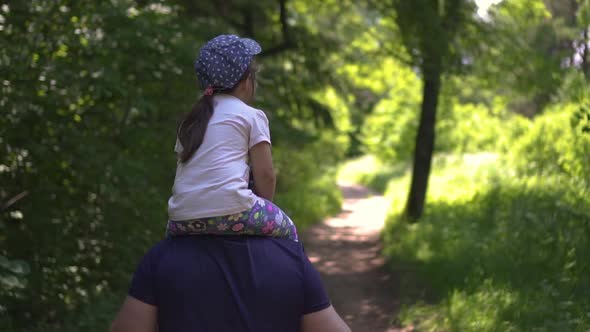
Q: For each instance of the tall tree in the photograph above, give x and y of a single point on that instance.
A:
(429, 31)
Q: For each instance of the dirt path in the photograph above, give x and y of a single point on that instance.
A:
(345, 249)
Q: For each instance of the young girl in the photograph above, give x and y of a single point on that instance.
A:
(216, 142)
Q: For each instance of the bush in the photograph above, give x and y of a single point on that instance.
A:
(92, 94)
(504, 243)
(85, 148)
(556, 144)
(497, 251)
(389, 132)
(306, 180)
(471, 128)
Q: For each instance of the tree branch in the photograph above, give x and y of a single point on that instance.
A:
(248, 23)
(245, 25)
(14, 200)
(287, 39)
(283, 19)
(222, 10)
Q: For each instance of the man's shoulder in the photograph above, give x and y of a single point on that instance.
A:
(212, 241)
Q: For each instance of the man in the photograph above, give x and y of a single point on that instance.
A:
(224, 283)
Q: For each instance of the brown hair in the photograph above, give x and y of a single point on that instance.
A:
(191, 130)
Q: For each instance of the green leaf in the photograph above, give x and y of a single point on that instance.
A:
(15, 266)
(11, 282)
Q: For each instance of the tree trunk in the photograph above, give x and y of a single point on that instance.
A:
(424, 142)
(585, 64)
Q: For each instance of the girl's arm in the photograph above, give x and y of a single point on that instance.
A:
(263, 171)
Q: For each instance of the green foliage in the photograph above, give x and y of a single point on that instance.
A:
(504, 242)
(390, 130)
(429, 29)
(474, 127)
(581, 119)
(92, 90)
(83, 111)
(503, 245)
(468, 128)
(574, 88)
(497, 251)
(557, 143)
(306, 181)
(94, 316)
(526, 50)
(91, 94)
(13, 274)
(462, 127)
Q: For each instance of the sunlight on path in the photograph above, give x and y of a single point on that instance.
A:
(366, 215)
(346, 251)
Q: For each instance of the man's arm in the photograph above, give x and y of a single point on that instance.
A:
(326, 320)
(136, 316)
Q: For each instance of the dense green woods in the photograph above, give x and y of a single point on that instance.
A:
(91, 95)
(92, 92)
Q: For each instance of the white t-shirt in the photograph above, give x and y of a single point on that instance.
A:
(214, 182)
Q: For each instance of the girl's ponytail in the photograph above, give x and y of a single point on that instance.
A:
(191, 130)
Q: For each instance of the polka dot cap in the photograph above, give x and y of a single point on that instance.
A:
(224, 59)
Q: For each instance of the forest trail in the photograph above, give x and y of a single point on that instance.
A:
(346, 250)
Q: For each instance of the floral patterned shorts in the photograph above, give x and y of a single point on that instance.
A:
(264, 218)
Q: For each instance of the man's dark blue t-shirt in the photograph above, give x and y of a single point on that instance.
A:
(208, 283)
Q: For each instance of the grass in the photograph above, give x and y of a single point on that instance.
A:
(494, 251)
